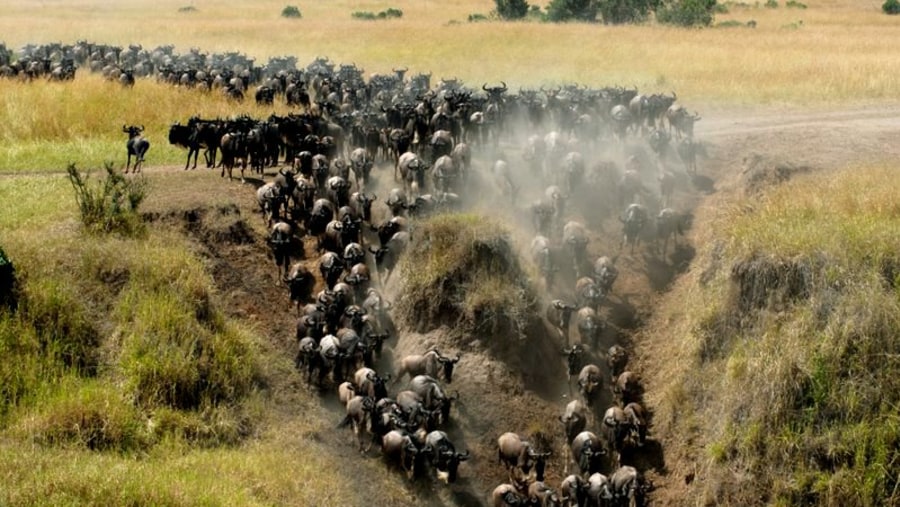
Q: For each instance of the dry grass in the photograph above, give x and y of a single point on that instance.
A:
(790, 396)
(834, 51)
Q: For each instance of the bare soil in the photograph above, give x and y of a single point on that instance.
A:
(744, 147)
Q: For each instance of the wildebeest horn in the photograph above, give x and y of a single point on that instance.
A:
(371, 249)
(504, 86)
(484, 87)
(456, 359)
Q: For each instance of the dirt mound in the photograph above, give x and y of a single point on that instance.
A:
(760, 172)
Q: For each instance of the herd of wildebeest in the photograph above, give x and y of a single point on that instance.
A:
(568, 158)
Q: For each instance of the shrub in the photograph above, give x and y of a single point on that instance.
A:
(687, 12)
(771, 4)
(512, 9)
(571, 10)
(626, 11)
(731, 23)
(474, 18)
(794, 4)
(367, 15)
(891, 7)
(188, 8)
(110, 206)
(291, 11)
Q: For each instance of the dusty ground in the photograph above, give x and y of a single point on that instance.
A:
(494, 395)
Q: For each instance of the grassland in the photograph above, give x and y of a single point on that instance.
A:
(86, 415)
(781, 387)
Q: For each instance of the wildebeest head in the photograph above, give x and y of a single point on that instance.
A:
(448, 364)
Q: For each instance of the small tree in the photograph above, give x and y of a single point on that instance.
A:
(572, 10)
(891, 7)
(687, 12)
(616, 12)
(511, 9)
(291, 11)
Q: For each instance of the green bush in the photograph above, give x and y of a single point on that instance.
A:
(291, 11)
(112, 204)
(687, 12)
(571, 10)
(731, 23)
(771, 4)
(512, 9)
(891, 7)
(474, 18)
(794, 4)
(626, 11)
(368, 15)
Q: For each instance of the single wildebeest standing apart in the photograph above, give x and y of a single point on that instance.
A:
(137, 146)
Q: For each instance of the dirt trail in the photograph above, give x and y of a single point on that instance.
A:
(246, 277)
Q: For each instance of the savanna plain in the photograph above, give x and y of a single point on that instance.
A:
(157, 367)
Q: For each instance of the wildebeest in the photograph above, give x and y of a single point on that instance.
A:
(300, 282)
(669, 224)
(633, 222)
(625, 485)
(542, 495)
(627, 387)
(444, 458)
(590, 326)
(280, 240)
(359, 410)
(518, 456)
(599, 490)
(399, 447)
(575, 238)
(542, 256)
(361, 161)
(433, 397)
(388, 254)
(137, 146)
(680, 121)
(431, 363)
(590, 383)
(616, 360)
(506, 495)
(574, 419)
(558, 314)
(573, 490)
(588, 452)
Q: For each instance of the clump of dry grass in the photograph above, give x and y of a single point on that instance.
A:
(787, 384)
(461, 270)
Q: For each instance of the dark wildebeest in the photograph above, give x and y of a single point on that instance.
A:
(137, 146)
